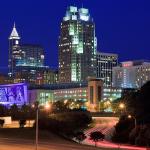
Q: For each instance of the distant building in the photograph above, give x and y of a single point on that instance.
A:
(50, 76)
(14, 53)
(105, 63)
(3, 78)
(36, 75)
(131, 74)
(111, 94)
(77, 46)
(29, 66)
(90, 93)
(27, 63)
(32, 55)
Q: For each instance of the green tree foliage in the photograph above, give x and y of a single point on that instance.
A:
(60, 106)
(66, 105)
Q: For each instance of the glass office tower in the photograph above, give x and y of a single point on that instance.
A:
(77, 46)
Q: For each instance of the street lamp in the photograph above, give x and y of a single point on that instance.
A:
(135, 122)
(47, 106)
(37, 125)
(122, 107)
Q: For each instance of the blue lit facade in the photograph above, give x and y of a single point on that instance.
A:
(13, 94)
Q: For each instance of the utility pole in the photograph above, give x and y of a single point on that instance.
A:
(37, 125)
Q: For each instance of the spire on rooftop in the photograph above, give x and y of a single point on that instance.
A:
(14, 34)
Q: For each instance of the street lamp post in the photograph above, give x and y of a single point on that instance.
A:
(37, 124)
(122, 107)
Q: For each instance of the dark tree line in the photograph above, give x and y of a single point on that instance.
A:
(138, 106)
(17, 113)
(66, 123)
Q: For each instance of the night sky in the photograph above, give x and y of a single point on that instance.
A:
(122, 26)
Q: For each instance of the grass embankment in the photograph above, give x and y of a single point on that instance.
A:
(24, 133)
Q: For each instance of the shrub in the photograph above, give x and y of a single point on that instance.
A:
(2, 122)
(66, 123)
(96, 136)
(80, 136)
(22, 123)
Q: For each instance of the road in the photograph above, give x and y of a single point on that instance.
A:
(24, 139)
(61, 144)
(106, 126)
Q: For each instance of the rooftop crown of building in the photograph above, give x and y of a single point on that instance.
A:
(14, 34)
(73, 13)
(135, 63)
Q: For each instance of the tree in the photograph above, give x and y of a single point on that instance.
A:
(96, 136)
(3, 110)
(123, 129)
(2, 122)
(80, 136)
(59, 106)
(14, 112)
(138, 104)
(22, 123)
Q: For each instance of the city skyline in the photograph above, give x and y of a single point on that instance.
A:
(114, 34)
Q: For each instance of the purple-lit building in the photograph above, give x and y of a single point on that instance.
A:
(13, 94)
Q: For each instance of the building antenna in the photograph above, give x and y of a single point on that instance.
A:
(14, 24)
(82, 5)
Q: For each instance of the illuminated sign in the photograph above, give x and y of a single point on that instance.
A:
(127, 64)
(13, 94)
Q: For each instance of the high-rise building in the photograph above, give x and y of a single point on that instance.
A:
(105, 63)
(14, 54)
(26, 61)
(77, 46)
(50, 76)
(131, 74)
(32, 55)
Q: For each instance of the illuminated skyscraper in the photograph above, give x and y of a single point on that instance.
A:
(77, 46)
(14, 54)
(105, 63)
(32, 55)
